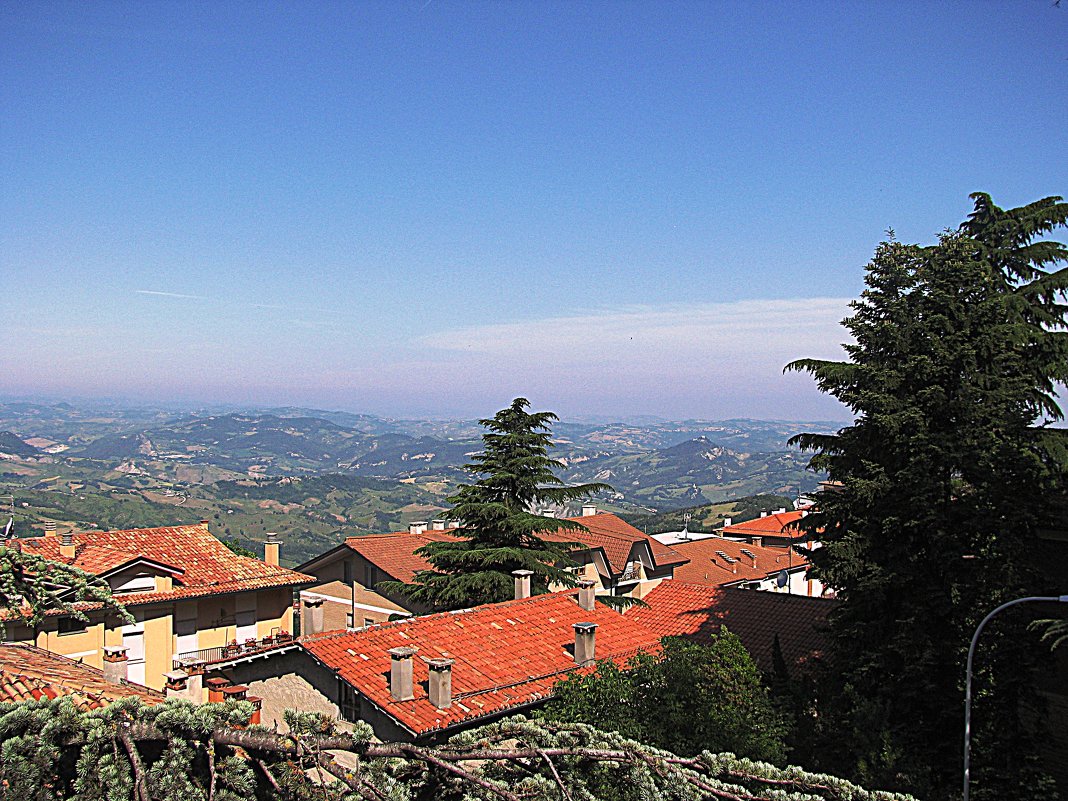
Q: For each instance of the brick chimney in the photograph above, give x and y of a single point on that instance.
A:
(522, 583)
(588, 510)
(585, 634)
(586, 595)
(270, 549)
(115, 664)
(441, 682)
(417, 528)
(400, 673)
(66, 545)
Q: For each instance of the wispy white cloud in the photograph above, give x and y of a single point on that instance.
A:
(167, 294)
(742, 333)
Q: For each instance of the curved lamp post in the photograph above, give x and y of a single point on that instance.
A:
(968, 676)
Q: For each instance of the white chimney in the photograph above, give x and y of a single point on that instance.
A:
(454, 524)
(522, 583)
(586, 595)
(780, 511)
(763, 514)
(440, 688)
(400, 673)
(417, 528)
(585, 642)
(588, 510)
(115, 664)
(726, 522)
(438, 525)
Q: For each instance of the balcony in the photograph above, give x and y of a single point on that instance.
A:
(234, 650)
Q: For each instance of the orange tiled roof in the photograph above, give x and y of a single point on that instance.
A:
(616, 537)
(28, 673)
(394, 553)
(773, 525)
(201, 564)
(507, 654)
(689, 610)
(706, 566)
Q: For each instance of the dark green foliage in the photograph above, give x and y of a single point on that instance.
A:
(50, 750)
(944, 479)
(690, 699)
(501, 531)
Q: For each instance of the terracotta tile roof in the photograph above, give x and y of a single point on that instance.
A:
(28, 673)
(708, 567)
(507, 655)
(617, 537)
(774, 525)
(689, 610)
(200, 563)
(394, 553)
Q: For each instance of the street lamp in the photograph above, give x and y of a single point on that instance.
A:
(968, 676)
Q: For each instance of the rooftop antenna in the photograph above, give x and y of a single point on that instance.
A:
(685, 533)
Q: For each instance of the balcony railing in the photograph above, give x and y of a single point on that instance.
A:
(233, 650)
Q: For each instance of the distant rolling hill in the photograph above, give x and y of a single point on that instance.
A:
(650, 463)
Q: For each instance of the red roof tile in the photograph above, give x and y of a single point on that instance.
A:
(506, 655)
(708, 567)
(29, 673)
(394, 553)
(201, 564)
(689, 610)
(774, 525)
(617, 538)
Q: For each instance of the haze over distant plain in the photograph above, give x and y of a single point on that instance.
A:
(429, 208)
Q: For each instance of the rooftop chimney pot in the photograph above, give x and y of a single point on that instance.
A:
(587, 595)
(417, 528)
(66, 545)
(726, 522)
(522, 583)
(585, 642)
(271, 548)
(441, 682)
(400, 673)
(438, 525)
(763, 514)
(588, 510)
(115, 664)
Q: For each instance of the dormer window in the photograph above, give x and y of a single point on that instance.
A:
(142, 582)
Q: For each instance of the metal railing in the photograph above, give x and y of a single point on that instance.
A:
(235, 649)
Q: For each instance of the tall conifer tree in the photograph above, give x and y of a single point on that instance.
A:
(501, 530)
(940, 483)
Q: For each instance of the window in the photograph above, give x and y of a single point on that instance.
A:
(369, 575)
(368, 621)
(348, 701)
(70, 625)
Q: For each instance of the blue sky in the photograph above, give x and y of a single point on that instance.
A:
(432, 207)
